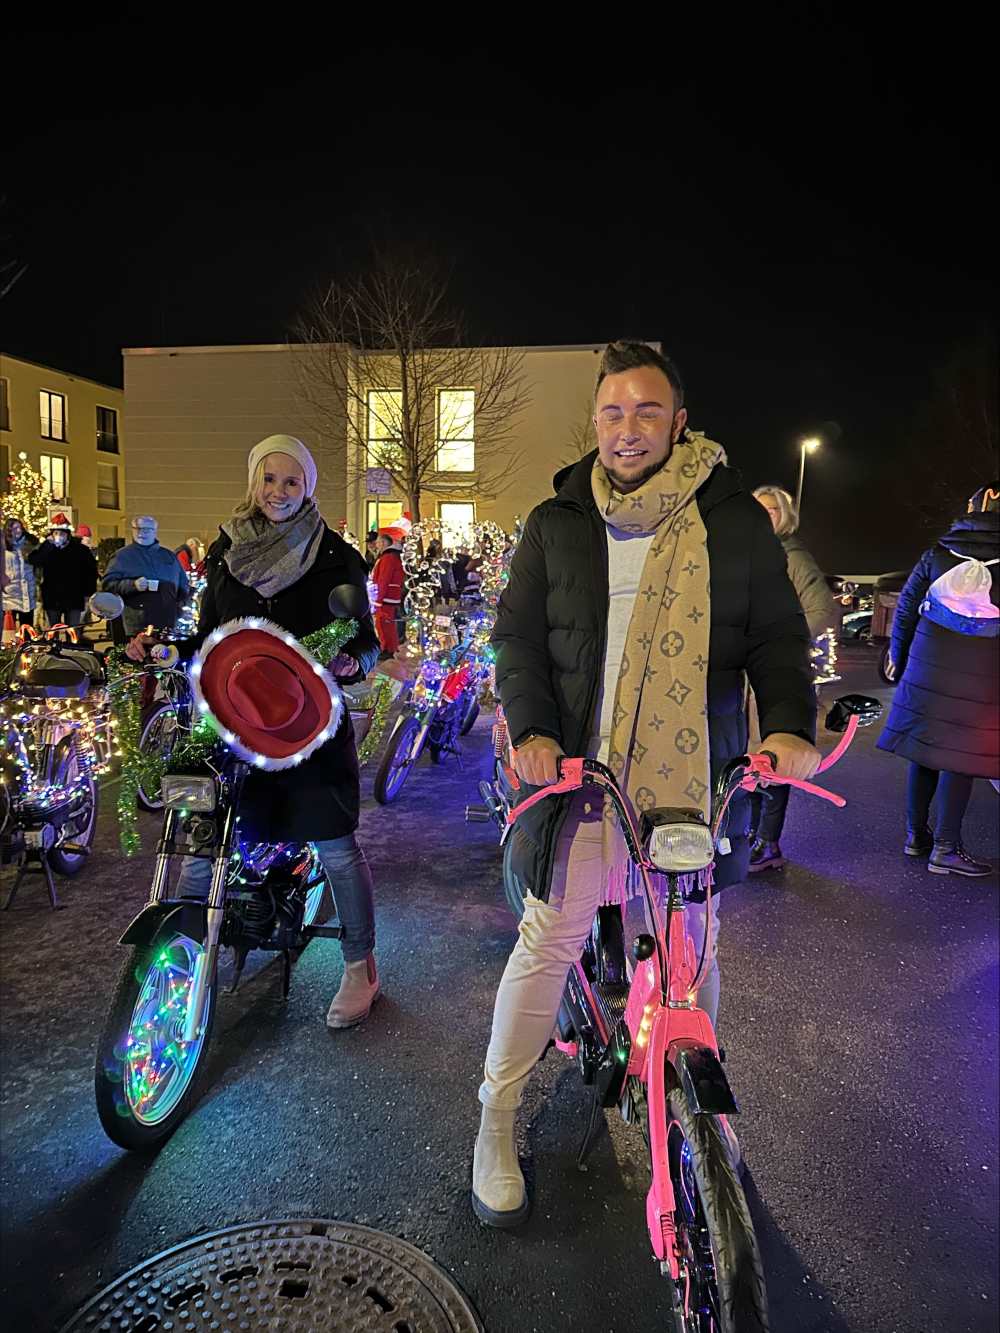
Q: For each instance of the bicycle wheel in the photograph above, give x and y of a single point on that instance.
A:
(79, 832)
(146, 1076)
(470, 714)
(396, 762)
(159, 736)
(723, 1266)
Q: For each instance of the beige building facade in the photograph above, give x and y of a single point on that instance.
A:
(71, 430)
(193, 414)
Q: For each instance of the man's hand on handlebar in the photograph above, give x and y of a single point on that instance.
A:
(536, 761)
(795, 757)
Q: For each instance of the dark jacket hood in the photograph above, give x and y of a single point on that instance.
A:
(975, 535)
(572, 484)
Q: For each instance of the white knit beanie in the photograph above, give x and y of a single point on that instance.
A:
(284, 444)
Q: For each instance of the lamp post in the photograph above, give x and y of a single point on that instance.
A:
(808, 446)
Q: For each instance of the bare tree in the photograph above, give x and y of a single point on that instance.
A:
(376, 354)
(582, 435)
(10, 267)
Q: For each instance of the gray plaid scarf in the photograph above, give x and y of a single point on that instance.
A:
(270, 557)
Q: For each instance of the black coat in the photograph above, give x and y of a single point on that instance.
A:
(551, 634)
(69, 574)
(320, 798)
(945, 713)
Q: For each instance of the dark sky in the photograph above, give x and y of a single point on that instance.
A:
(804, 213)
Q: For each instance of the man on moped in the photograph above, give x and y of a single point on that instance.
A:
(640, 598)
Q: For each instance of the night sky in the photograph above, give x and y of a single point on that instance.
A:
(804, 214)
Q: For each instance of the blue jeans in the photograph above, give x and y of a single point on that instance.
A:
(350, 878)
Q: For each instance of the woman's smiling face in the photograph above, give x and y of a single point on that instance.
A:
(282, 488)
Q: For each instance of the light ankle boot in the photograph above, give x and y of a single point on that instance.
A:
(358, 991)
(499, 1197)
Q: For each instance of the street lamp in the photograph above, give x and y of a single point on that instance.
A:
(808, 446)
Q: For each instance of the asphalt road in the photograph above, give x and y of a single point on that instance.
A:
(859, 1013)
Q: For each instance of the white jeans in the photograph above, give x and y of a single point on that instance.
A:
(550, 938)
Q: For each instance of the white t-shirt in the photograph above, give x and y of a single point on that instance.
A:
(626, 558)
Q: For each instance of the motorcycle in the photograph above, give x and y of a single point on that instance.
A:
(443, 705)
(57, 740)
(152, 1053)
(499, 795)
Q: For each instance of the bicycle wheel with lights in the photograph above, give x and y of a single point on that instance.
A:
(149, 1064)
(722, 1288)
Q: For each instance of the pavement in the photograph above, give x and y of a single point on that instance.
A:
(859, 1013)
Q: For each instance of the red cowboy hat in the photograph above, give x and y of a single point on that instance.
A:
(272, 702)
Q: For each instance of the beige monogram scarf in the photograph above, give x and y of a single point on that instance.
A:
(659, 749)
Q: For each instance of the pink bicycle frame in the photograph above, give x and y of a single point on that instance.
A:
(662, 1015)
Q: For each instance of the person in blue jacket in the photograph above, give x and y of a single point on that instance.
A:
(148, 578)
(945, 653)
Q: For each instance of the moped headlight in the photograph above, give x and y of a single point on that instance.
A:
(679, 842)
(183, 792)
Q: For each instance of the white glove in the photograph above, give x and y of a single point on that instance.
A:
(141, 584)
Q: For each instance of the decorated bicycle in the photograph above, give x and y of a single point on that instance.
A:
(57, 739)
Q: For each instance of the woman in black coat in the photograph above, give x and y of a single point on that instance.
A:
(276, 558)
(945, 717)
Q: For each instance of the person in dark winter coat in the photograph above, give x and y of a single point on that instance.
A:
(769, 805)
(945, 715)
(69, 573)
(638, 597)
(148, 578)
(277, 559)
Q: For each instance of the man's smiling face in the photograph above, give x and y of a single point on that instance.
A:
(636, 425)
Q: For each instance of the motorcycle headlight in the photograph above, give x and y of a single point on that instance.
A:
(679, 842)
(181, 792)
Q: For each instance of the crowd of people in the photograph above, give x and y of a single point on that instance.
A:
(681, 640)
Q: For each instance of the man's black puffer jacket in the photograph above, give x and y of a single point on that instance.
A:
(551, 630)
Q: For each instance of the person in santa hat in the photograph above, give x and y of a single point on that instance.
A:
(68, 570)
(276, 559)
(387, 576)
(86, 535)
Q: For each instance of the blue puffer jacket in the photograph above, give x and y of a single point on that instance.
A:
(157, 608)
(946, 711)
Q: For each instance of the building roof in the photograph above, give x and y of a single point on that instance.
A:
(57, 370)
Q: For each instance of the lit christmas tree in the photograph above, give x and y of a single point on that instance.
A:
(28, 499)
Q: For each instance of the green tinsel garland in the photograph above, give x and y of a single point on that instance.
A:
(195, 749)
(381, 699)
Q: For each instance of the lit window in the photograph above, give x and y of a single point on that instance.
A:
(382, 513)
(107, 430)
(52, 413)
(107, 486)
(456, 422)
(385, 415)
(456, 523)
(54, 470)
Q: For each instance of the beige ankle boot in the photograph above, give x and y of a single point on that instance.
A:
(358, 991)
(499, 1197)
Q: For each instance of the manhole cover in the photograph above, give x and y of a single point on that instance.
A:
(298, 1276)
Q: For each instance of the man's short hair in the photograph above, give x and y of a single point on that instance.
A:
(626, 354)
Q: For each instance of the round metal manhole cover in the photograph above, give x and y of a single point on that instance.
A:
(298, 1276)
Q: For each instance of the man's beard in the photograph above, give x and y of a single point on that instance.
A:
(632, 482)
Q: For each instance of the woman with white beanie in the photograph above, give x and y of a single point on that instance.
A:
(276, 558)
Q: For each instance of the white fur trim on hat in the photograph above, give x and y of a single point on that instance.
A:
(230, 738)
(284, 444)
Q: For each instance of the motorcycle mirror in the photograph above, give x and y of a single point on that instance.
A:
(106, 605)
(862, 706)
(348, 602)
